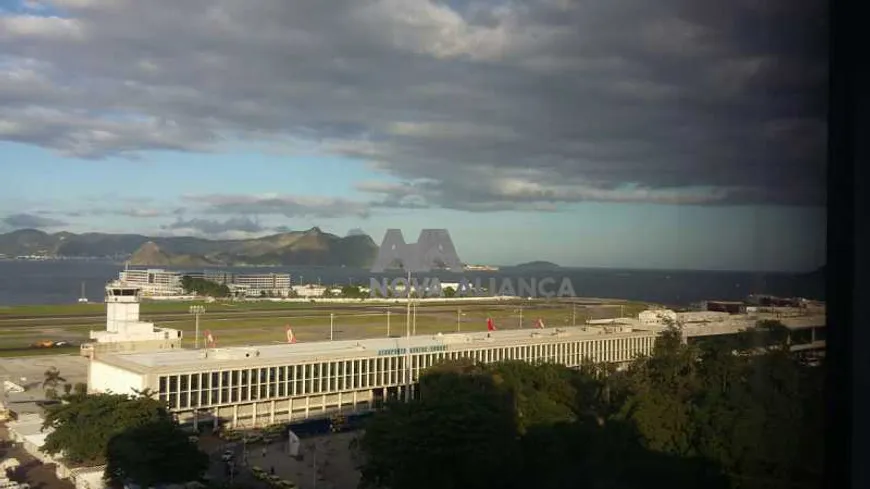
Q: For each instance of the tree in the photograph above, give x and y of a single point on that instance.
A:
(661, 389)
(448, 292)
(351, 291)
(204, 287)
(764, 425)
(152, 454)
(741, 411)
(52, 378)
(84, 424)
(744, 403)
(459, 433)
(586, 454)
(515, 425)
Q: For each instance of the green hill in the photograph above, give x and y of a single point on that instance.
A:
(311, 247)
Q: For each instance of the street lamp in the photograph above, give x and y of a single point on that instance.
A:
(388, 323)
(331, 322)
(459, 315)
(197, 311)
(408, 371)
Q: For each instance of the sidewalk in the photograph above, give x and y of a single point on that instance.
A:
(335, 466)
(31, 471)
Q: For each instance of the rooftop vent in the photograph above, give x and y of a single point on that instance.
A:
(235, 353)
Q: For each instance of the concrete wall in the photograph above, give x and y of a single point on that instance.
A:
(90, 349)
(266, 413)
(658, 316)
(702, 316)
(105, 378)
(88, 478)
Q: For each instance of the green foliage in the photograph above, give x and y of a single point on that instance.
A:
(745, 403)
(449, 292)
(572, 455)
(152, 454)
(462, 423)
(52, 379)
(84, 424)
(204, 287)
(661, 389)
(742, 413)
(353, 292)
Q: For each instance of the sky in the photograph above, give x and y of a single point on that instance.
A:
(673, 134)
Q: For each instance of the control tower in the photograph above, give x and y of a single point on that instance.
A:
(124, 330)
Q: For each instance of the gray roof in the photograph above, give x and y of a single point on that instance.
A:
(187, 359)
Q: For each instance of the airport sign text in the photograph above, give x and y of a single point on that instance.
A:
(506, 287)
(416, 349)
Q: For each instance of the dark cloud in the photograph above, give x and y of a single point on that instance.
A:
(215, 227)
(129, 212)
(30, 221)
(288, 206)
(494, 105)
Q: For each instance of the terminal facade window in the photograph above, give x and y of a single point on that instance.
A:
(187, 391)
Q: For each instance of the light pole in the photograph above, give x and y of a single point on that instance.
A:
(458, 319)
(196, 311)
(388, 323)
(414, 320)
(573, 313)
(408, 336)
(331, 323)
(521, 317)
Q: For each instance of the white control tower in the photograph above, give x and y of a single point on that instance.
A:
(124, 331)
(122, 310)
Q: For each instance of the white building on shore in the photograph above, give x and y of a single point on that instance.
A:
(152, 281)
(309, 290)
(250, 284)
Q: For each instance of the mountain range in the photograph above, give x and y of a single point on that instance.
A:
(302, 248)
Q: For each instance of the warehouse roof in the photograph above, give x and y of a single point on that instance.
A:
(300, 352)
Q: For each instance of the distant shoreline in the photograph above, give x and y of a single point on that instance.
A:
(475, 268)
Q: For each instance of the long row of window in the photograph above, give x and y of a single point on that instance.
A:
(214, 388)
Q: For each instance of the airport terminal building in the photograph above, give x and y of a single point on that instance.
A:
(250, 386)
(261, 385)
